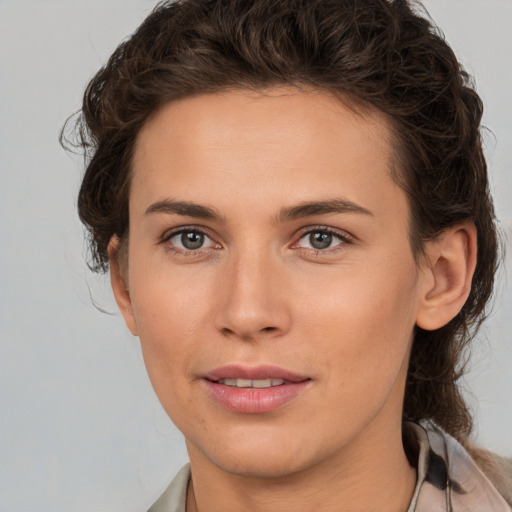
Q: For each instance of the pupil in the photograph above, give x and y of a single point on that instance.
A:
(320, 240)
(192, 240)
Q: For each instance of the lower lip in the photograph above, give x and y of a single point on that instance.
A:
(255, 400)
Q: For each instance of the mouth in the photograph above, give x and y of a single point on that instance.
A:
(248, 383)
(262, 376)
(254, 390)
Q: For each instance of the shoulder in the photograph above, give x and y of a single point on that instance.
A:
(497, 469)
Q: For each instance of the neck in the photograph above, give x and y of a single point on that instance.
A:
(370, 475)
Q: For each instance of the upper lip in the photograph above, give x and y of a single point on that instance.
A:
(237, 371)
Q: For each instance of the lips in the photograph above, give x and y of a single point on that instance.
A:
(254, 390)
(261, 372)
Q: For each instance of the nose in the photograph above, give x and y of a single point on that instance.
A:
(253, 302)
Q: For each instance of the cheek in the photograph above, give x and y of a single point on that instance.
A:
(168, 302)
(363, 321)
(169, 317)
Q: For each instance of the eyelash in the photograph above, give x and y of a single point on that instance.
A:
(343, 237)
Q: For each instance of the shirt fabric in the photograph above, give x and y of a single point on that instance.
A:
(448, 478)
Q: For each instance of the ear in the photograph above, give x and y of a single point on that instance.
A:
(119, 284)
(447, 274)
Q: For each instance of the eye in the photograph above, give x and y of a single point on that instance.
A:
(189, 240)
(321, 239)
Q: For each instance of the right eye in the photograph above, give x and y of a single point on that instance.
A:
(189, 240)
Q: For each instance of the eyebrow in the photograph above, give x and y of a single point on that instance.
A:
(308, 209)
(302, 210)
(185, 208)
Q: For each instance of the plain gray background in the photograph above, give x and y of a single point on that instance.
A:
(80, 428)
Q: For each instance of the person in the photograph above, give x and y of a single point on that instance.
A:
(292, 201)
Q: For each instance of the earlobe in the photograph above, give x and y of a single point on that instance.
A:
(446, 275)
(119, 284)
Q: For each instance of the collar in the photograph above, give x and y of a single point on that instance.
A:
(448, 478)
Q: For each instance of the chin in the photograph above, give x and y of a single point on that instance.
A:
(264, 458)
(272, 468)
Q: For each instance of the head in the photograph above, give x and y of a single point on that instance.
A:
(379, 59)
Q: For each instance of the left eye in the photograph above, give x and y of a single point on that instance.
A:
(320, 240)
(190, 240)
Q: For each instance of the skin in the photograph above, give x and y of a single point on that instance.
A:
(258, 292)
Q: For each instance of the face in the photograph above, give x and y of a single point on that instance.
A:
(270, 277)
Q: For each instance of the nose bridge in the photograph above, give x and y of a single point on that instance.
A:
(252, 300)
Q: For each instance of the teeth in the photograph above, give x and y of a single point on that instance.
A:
(266, 383)
(246, 383)
(243, 383)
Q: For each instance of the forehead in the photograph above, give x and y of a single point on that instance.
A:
(282, 111)
(247, 144)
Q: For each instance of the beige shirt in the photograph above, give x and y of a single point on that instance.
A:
(448, 479)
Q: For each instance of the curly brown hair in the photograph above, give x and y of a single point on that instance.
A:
(381, 53)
